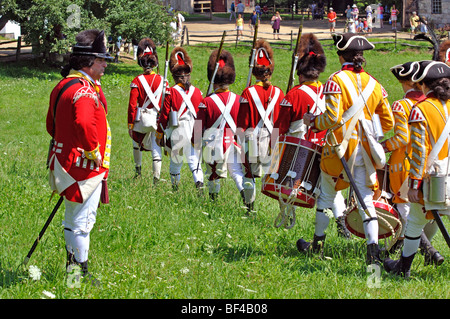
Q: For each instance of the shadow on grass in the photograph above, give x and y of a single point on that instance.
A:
(10, 275)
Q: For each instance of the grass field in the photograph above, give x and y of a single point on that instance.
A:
(151, 243)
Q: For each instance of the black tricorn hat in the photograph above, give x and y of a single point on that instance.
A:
(351, 42)
(431, 70)
(405, 71)
(226, 73)
(96, 48)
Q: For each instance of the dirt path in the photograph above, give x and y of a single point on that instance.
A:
(319, 27)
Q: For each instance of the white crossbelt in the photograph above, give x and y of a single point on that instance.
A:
(319, 103)
(225, 110)
(154, 97)
(264, 114)
(358, 100)
(441, 140)
(186, 100)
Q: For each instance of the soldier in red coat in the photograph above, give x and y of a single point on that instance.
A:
(177, 118)
(144, 107)
(79, 159)
(217, 116)
(259, 105)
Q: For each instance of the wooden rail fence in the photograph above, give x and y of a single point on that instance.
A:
(287, 42)
(17, 49)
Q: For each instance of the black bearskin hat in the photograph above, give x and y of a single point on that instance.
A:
(263, 62)
(226, 73)
(146, 54)
(311, 57)
(179, 61)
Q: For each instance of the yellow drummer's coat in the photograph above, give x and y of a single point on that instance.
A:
(400, 146)
(338, 99)
(427, 121)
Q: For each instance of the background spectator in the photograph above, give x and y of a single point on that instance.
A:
(276, 22)
(232, 10)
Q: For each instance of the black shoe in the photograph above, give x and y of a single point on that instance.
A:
(199, 185)
(400, 267)
(316, 246)
(431, 255)
(137, 172)
(397, 246)
(373, 254)
(213, 196)
(71, 264)
(249, 208)
(155, 181)
(342, 228)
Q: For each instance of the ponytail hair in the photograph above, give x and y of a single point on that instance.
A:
(356, 57)
(440, 87)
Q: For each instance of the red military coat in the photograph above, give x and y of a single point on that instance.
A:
(173, 102)
(297, 102)
(138, 95)
(209, 112)
(80, 124)
(249, 116)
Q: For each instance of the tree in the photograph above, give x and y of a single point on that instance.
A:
(50, 26)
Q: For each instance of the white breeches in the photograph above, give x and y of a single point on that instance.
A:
(78, 222)
(328, 198)
(193, 161)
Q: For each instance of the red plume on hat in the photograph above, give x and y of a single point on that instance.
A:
(264, 62)
(179, 61)
(311, 56)
(226, 73)
(146, 52)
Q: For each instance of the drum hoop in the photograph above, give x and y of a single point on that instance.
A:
(381, 205)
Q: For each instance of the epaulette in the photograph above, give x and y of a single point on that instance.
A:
(383, 92)
(398, 107)
(202, 105)
(416, 115)
(285, 102)
(331, 87)
(86, 91)
(133, 85)
(243, 100)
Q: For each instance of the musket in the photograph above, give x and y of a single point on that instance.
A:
(166, 67)
(163, 95)
(295, 57)
(252, 61)
(211, 83)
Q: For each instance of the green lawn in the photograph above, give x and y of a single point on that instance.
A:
(151, 243)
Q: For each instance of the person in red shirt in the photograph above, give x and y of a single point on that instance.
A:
(332, 19)
(217, 117)
(145, 97)
(177, 119)
(80, 157)
(259, 105)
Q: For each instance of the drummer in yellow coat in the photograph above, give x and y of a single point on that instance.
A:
(428, 120)
(345, 88)
(399, 144)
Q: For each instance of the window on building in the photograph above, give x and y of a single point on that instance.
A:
(436, 6)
